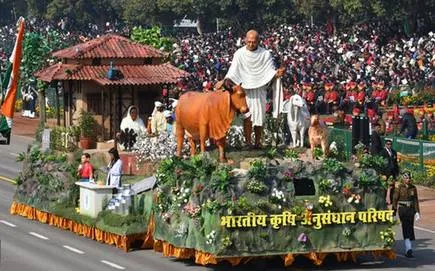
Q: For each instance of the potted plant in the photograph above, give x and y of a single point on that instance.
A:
(87, 125)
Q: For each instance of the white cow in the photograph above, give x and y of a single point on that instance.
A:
(298, 119)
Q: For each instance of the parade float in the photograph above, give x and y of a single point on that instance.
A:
(273, 202)
(271, 207)
(47, 192)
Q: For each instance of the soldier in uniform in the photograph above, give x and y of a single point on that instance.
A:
(405, 200)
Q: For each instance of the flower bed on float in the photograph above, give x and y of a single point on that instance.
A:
(279, 207)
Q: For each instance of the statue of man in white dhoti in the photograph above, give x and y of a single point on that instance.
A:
(253, 67)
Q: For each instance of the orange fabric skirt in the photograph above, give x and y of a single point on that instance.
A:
(169, 250)
(123, 242)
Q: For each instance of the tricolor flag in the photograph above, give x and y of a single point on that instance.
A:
(10, 84)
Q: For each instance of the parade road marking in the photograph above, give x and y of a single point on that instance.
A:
(8, 223)
(423, 229)
(14, 154)
(38, 235)
(78, 251)
(7, 179)
(114, 265)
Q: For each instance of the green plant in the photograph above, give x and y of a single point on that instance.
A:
(226, 241)
(87, 125)
(347, 232)
(298, 210)
(291, 154)
(151, 36)
(203, 164)
(244, 205)
(317, 153)
(376, 162)
(258, 170)
(220, 178)
(213, 206)
(256, 186)
(332, 165)
(271, 153)
(264, 205)
(387, 236)
(367, 180)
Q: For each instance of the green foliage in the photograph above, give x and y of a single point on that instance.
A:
(332, 165)
(271, 153)
(87, 125)
(64, 138)
(220, 179)
(36, 52)
(387, 236)
(140, 11)
(226, 241)
(49, 174)
(419, 175)
(256, 186)
(291, 154)
(203, 164)
(213, 206)
(151, 36)
(366, 179)
(317, 153)
(376, 162)
(244, 204)
(258, 170)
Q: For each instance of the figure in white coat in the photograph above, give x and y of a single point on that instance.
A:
(298, 119)
(115, 169)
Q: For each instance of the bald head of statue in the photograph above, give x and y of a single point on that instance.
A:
(252, 39)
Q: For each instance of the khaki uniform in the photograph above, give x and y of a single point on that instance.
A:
(405, 200)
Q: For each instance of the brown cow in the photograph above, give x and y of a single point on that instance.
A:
(208, 115)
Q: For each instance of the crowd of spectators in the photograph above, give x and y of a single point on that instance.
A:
(355, 69)
(315, 58)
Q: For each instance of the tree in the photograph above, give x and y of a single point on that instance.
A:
(204, 11)
(140, 12)
(151, 36)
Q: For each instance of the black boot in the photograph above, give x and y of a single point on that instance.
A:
(409, 254)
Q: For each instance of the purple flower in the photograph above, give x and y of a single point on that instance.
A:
(302, 238)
